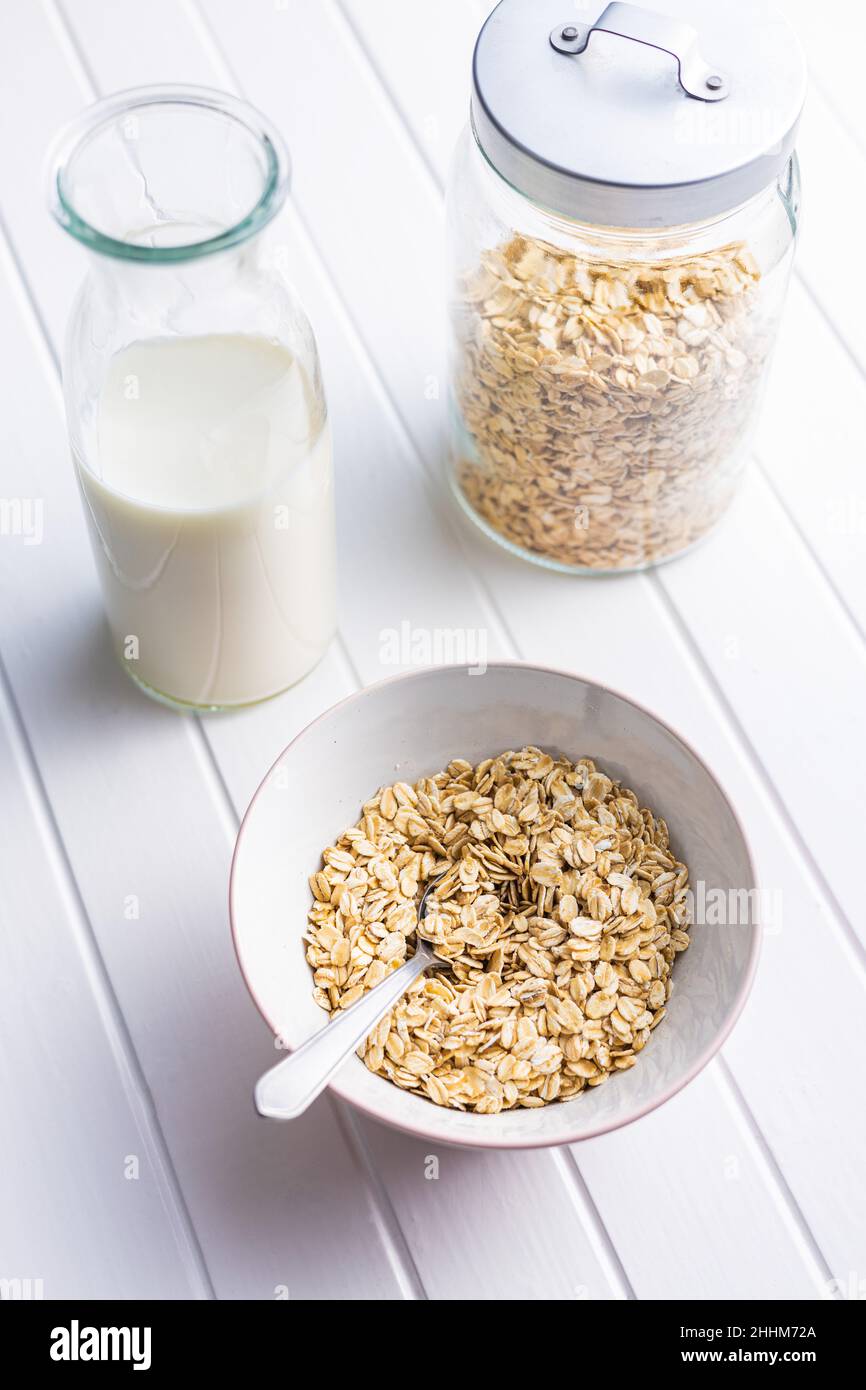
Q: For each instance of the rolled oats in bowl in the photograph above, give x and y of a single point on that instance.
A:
(558, 911)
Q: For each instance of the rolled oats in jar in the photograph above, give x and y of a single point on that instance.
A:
(622, 217)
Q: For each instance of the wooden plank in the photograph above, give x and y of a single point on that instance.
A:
(390, 35)
(811, 447)
(87, 1208)
(834, 206)
(834, 44)
(689, 1242)
(498, 1225)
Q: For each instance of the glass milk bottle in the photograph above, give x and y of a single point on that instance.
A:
(194, 401)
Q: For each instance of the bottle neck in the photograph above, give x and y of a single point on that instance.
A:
(174, 297)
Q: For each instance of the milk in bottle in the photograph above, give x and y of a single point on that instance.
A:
(211, 517)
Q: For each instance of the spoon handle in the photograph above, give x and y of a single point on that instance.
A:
(292, 1085)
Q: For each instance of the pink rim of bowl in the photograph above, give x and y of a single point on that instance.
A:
(419, 1130)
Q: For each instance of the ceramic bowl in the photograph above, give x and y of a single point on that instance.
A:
(412, 726)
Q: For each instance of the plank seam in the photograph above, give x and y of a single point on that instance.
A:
(601, 1241)
(849, 615)
(848, 937)
(408, 128)
(71, 49)
(836, 112)
(388, 1224)
(122, 1048)
(789, 1207)
(31, 313)
(851, 353)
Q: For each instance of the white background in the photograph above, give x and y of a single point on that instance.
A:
(137, 1037)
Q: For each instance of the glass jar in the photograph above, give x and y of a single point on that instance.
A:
(620, 249)
(194, 399)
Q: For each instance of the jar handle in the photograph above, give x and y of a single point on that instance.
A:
(680, 40)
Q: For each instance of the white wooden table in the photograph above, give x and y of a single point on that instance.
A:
(131, 1162)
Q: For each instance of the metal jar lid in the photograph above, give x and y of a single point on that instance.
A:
(650, 115)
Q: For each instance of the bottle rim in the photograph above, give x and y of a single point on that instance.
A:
(78, 133)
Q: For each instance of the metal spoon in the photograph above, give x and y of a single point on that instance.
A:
(292, 1085)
